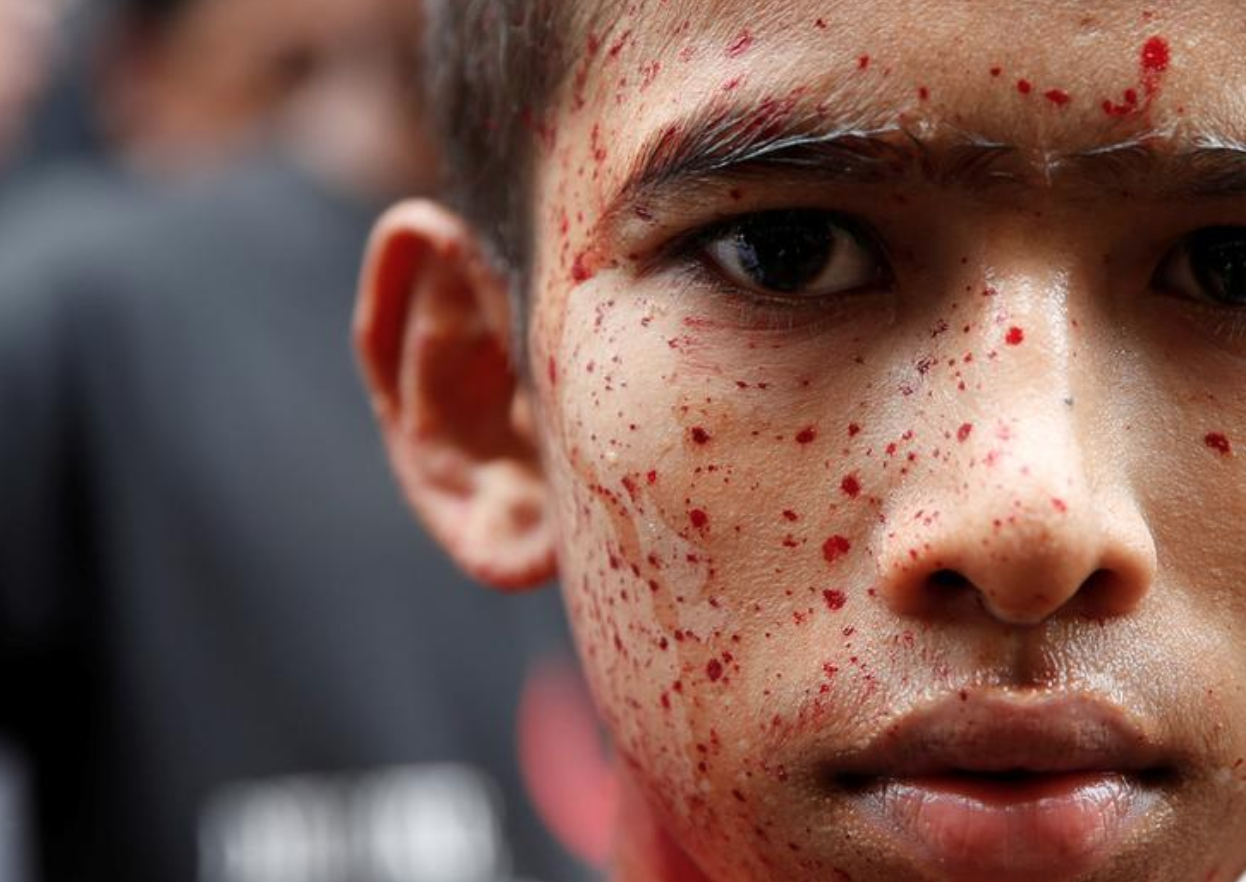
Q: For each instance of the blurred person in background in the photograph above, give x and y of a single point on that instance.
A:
(167, 88)
(26, 29)
(214, 659)
(188, 84)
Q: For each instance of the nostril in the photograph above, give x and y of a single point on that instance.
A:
(949, 579)
(1102, 594)
(936, 592)
(1098, 582)
(1099, 565)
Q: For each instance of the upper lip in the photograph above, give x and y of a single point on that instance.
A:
(993, 733)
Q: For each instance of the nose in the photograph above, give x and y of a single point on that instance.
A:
(1026, 553)
(1028, 516)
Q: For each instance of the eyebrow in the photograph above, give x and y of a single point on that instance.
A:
(785, 136)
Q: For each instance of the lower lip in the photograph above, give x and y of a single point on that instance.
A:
(1043, 828)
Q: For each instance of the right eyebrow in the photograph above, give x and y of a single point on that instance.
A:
(782, 136)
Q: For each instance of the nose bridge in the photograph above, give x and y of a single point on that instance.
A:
(1020, 516)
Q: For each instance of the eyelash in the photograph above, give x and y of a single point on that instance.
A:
(687, 256)
(692, 278)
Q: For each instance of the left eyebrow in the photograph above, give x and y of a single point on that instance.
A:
(1208, 167)
(787, 136)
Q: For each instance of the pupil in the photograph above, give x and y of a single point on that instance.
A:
(1218, 260)
(785, 251)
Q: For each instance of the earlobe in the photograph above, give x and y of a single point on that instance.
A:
(431, 330)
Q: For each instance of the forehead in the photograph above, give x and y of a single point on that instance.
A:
(1048, 78)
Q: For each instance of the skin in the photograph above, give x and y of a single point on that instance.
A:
(681, 453)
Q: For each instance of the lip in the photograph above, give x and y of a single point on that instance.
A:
(1007, 788)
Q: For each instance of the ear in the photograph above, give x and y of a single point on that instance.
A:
(432, 328)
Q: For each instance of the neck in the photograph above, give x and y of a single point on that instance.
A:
(644, 850)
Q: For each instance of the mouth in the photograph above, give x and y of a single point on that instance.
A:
(1007, 789)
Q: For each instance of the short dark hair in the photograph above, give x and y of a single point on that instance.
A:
(493, 67)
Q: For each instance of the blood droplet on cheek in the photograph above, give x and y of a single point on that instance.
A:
(1015, 337)
(835, 548)
(1058, 97)
(740, 45)
(580, 271)
(806, 435)
(700, 436)
(699, 518)
(835, 600)
(963, 433)
(851, 486)
(714, 670)
(1219, 442)
(1025, 87)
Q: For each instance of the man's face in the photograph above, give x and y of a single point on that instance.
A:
(223, 69)
(25, 32)
(892, 359)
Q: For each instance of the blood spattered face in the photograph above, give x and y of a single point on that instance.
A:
(891, 367)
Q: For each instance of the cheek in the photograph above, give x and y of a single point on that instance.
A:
(715, 544)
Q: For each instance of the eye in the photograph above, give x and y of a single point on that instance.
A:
(1209, 264)
(798, 252)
